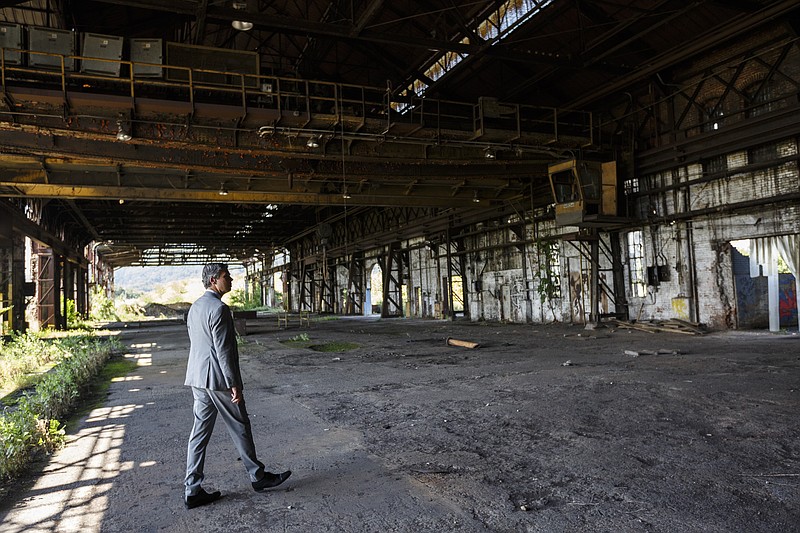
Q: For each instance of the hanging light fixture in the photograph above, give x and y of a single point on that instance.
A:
(123, 134)
(312, 142)
(475, 198)
(489, 153)
(345, 194)
(241, 25)
(223, 191)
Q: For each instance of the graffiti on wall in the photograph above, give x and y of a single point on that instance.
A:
(787, 294)
(576, 281)
(680, 307)
(518, 288)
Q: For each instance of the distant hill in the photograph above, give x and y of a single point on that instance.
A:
(144, 279)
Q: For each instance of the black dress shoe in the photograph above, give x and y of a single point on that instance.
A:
(201, 498)
(270, 480)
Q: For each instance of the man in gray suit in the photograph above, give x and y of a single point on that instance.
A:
(216, 381)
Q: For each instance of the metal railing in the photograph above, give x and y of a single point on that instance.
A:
(306, 99)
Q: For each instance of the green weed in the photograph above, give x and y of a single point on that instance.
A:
(32, 424)
(334, 347)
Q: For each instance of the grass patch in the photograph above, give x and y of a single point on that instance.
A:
(334, 347)
(326, 318)
(304, 341)
(32, 425)
(297, 344)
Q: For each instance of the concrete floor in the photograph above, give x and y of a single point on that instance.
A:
(541, 428)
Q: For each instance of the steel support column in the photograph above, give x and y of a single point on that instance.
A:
(82, 291)
(618, 273)
(18, 322)
(392, 265)
(6, 288)
(594, 281)
(306, 302)
(354, 305)
(69, 278)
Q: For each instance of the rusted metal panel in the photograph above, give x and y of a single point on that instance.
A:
(47, 300)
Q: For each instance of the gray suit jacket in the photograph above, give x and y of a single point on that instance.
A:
(213, 353)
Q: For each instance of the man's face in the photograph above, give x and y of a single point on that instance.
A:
(221, 283)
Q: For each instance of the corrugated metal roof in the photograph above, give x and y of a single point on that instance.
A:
(34, 13)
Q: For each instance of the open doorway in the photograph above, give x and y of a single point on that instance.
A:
(752, 292)
(456, 287)
(375, 290)
(276, 299)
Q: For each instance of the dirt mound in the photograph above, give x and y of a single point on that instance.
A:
(166, 310)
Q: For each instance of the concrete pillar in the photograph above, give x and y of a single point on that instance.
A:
(774, 302)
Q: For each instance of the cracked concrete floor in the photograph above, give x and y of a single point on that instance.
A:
(541, 428)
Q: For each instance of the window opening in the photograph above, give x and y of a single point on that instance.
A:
(714, 119)
(715, 164)
(636, 271)
(761, 101)
(457, 286)
(507, 18)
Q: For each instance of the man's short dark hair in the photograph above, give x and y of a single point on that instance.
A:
(212, 270)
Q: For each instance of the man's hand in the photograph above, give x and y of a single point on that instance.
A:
(236, 395)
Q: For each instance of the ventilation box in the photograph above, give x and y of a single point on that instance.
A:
(103, 47)
(10, 40)
(47, 46)
(147, 56)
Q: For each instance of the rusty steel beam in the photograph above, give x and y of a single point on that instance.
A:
(46, 190)
(21, 224)
(102, 149)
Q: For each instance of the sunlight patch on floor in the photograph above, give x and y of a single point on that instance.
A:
(81, 474)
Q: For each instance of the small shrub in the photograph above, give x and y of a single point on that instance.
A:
(32, 424)
(51, 434)
(74, 319)
(238, 301)
(25, 353)
(102, 306)
(18, 435)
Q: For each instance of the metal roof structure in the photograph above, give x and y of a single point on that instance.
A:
(232, 141)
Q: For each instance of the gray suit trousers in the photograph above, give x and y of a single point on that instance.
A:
(207, 405)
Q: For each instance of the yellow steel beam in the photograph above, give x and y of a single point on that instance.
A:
(84, 192)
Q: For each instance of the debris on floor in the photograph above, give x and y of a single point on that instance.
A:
(660, 351)
(464, 344)
(673, 325)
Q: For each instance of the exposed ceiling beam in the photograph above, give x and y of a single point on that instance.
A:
(87, 225)
(366, 16)
(200, 27)
(99, 192)
(347, 32)
(712, 38)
